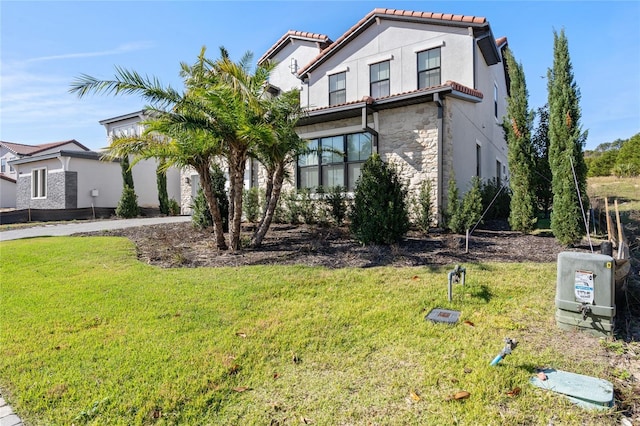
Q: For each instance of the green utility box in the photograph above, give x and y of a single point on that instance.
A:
(585, 292)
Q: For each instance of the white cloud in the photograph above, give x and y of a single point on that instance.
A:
(124, 48)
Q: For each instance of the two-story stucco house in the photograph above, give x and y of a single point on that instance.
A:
(424, 90)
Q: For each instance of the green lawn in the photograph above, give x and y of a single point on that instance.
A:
(89, 335)
(625, 190)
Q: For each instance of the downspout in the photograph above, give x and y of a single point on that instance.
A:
(439, 196)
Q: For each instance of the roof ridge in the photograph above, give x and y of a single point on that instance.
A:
(390, 13)
(322, 38)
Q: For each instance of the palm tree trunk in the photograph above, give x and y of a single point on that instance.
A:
(237, 182)
(206, 184)
(272, 202)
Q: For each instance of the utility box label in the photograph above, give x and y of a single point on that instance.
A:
(584, 287)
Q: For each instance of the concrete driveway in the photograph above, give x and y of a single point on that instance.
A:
(56, 230)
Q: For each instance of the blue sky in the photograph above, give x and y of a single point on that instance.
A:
(46, 44)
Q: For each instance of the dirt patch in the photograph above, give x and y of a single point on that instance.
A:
(181, 245)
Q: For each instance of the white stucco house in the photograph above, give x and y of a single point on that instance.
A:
(67, 175)
(424, 90)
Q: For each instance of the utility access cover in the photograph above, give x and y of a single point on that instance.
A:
(443, 315)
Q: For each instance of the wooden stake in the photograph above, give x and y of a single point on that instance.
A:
(606, 209)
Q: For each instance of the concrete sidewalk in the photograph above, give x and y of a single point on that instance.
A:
(80, 227)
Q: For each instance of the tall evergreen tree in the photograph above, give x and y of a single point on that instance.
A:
(517, 126)
(161, 181)
(565, 150)
(542, 171)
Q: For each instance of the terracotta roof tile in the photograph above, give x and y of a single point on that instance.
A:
(380, 12)
(448, 85)
(320, 38)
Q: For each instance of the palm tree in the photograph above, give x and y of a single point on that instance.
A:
(277, 152)
(178, 130)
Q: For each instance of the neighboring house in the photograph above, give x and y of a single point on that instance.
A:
(12, 151)
(426, 91)
(131, 125)
(70, 176)
(7, 192)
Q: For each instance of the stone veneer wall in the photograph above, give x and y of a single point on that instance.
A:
(62, 192)
(408, 137)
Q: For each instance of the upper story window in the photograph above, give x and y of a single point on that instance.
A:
(379, 79)
(336, 161)
(478, 160)
(338, 88)
(429, 68)
(3, 165)
(39, 183)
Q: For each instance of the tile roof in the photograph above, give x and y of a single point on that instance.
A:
(445, 18)
(322, 39)
(22, 149)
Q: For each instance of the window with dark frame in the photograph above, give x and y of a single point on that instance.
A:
(498, 172)
(478, 159)
(335, 161)
(429, 68)
(379, 79)
(338, 88)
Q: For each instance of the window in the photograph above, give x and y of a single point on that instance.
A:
(379, 79)
(478, 159)
(338, 88)
(3, 165)
(495, 101)
(429, 68)
(39, 183)
(336, 161)
(498, 172)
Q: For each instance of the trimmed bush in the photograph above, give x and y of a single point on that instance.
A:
(128, 204)
(379, 214)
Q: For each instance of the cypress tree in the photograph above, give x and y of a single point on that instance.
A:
(127, 175)
(517, 126)
(542, 172)
(566, 139)
(161, 181)
(128, 204)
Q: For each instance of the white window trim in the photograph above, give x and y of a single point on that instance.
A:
(429, 47)
(380, 59)
(337, 71)
(34, 172)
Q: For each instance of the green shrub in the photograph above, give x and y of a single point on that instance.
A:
(379, 214)
(423, 206)
(453, 202)
(201, 216)
(128, 204)
(307, 206)
(490, 192)
(469, 210)
(251, 204)
(174, 208)
(335, 200)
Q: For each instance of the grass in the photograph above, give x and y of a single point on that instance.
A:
(100, 338)
(625, 190)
